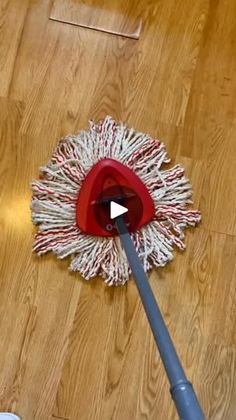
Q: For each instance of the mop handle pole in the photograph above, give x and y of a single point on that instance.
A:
(181, 389)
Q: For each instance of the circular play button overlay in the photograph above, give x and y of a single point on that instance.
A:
(116, 201)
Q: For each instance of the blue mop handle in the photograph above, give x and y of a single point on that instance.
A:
(182, 391)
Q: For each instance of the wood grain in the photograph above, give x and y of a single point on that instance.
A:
(12, 17)
(210, 126)
(121, 74)
(37, 306)
(116, 17)
(29, 66)
(76, 350)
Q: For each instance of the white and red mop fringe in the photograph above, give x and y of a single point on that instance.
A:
(55, 195)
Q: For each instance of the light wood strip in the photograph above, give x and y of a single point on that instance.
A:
(12, 17)
(37, 302)
(118, 18)
(210, 127)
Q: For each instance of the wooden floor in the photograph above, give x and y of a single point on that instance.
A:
(82, 351)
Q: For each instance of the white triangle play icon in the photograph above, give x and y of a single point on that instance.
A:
(116, 210)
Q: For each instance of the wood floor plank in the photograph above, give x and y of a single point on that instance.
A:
(218, 200)
(119, 17)
(47, 96)
(37, 301)
(29, 65)
(212, 99)
(211, 336)
(126, 73)
(76, 350)
(118, 338)
(57, 299)
(11, 114)
(17, 326)
(212, 109)
(210, 128)
(12, 17)
(165, 55)
(36, 348)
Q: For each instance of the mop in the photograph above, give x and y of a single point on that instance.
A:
(113, 168)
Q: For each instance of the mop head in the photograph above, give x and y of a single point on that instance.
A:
(55, 196)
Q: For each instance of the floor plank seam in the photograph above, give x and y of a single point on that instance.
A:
(218, 232)
(17, 51)
(195, 70)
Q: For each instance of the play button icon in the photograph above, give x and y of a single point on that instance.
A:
(116, 210)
